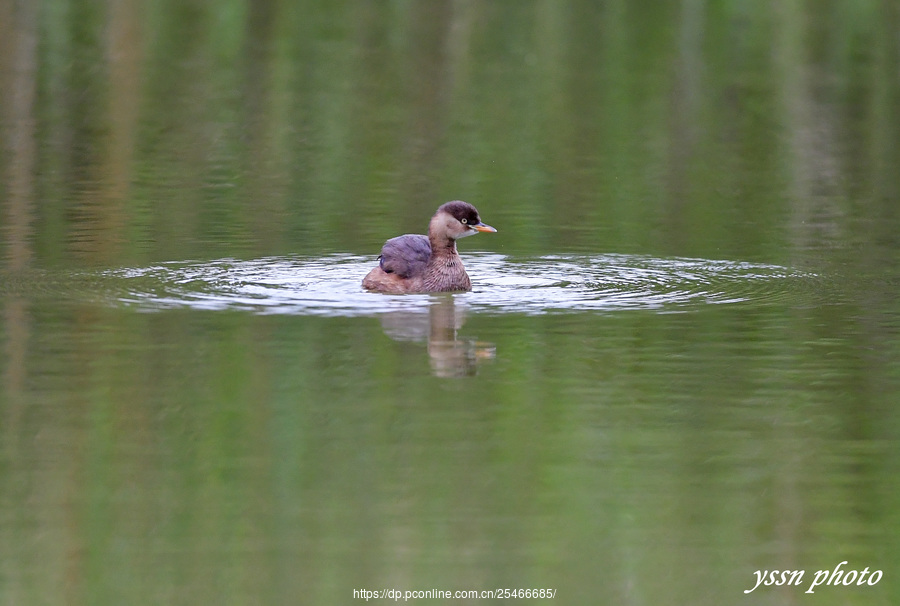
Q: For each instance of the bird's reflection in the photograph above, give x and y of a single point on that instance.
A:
(449, 355)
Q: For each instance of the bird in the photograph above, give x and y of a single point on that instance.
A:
(414, 263)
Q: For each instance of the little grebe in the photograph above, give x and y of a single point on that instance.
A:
(417, 264)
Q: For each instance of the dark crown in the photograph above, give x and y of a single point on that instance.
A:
(461, 210)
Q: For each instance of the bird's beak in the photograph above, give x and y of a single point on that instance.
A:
(483, 227)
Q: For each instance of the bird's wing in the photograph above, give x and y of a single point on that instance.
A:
(406, 255)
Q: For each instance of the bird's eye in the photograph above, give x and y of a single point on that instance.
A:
(464, 220)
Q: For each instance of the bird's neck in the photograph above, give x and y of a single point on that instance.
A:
(441, 244)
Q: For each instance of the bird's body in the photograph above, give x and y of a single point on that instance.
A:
(415, 263)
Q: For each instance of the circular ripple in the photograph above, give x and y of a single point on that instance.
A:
(550, 284)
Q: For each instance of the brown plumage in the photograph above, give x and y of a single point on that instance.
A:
(414, 263)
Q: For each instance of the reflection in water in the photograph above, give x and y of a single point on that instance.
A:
(19, 143)
(449, 355)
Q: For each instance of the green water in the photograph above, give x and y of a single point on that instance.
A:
(679, 365)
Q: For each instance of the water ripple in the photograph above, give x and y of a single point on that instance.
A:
(534, 285)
